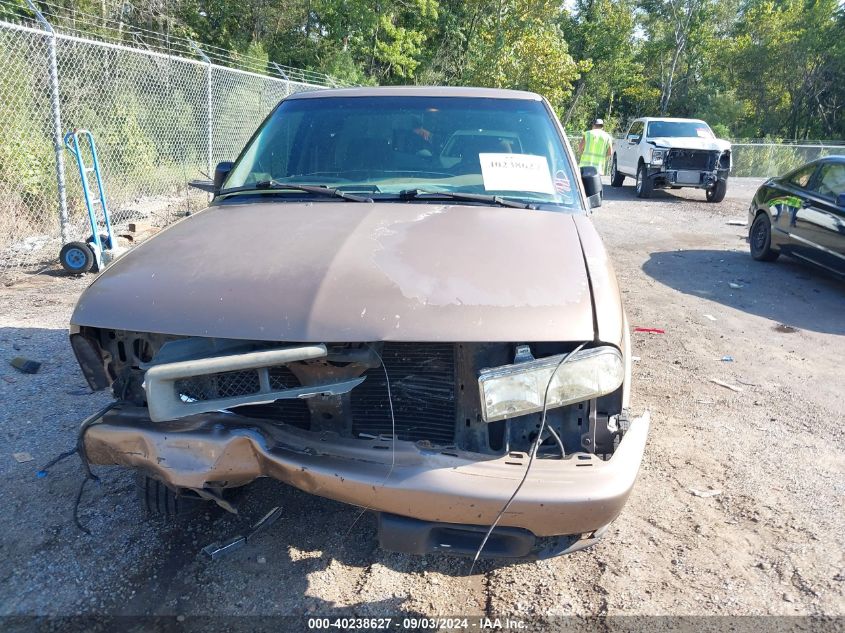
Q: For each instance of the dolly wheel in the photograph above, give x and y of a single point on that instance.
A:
(77, 258)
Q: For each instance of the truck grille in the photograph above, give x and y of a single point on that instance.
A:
(221, 385)
(294, 412)
(422, 384)
(231, 384)
(697, 159)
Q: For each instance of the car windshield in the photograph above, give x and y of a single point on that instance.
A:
(659, 129)
(386, 146)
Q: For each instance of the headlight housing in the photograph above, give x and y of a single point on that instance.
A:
(90, 360)
(518, 389)
(658, 156)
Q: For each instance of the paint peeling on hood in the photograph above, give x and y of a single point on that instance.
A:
(339, 271)
(437, 276)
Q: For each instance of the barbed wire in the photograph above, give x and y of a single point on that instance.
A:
(81, 24)
(793, 142)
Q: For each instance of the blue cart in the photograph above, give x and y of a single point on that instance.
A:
(82, 257)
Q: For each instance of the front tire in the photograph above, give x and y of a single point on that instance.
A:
(760, 239)
(717, 192)
(160, 501)
(616, 178)
(644, 185)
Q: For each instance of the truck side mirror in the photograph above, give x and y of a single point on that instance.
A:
(633, 139)
(592, 185)
(220, 173)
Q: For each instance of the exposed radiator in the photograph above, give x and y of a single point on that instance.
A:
(422, 384)
(692, 159)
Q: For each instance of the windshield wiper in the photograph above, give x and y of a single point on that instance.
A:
(421, 194)
(273, 185)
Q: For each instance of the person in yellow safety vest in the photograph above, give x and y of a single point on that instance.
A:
(596, 147)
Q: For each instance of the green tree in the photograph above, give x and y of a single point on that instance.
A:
(756, 67)
(521, 45)
(600, 34)
(788, 62)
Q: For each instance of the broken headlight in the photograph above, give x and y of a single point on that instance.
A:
(658, 156)
(519, 389)
(90, 360)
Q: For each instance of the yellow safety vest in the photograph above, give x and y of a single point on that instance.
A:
(596, 144)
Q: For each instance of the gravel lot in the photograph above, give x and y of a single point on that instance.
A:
(771, 542)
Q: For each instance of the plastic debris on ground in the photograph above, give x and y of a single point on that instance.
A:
(22, 458)
(649, 330)
(726, 385)
(727, 359)
(216, 550)
(705, 494)
(735, 286)
(710, 317)
(25, 365)
(737, 223)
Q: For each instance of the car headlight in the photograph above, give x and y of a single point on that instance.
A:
(518, 389)
(658, 156)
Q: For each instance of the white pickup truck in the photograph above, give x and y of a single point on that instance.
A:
(675, 153)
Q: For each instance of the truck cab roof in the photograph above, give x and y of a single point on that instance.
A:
(649, 119)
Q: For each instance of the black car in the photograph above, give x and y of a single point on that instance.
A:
(802, 214)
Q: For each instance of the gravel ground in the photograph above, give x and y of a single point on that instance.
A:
(771, 541)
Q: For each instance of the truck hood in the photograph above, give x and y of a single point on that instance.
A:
(685, 142)
(347, 272)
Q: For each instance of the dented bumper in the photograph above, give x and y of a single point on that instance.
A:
(573, 496)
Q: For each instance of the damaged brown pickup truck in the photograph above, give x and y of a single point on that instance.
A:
(395, 300)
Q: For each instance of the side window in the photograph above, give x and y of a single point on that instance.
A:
(636, 129)
(831, 180)
(801, 178)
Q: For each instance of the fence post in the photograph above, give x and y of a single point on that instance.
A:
(209, 124)
(284, 76)
(56, 112)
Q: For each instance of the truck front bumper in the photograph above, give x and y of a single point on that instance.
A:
(663, 177)
(573, 496)
(698, 179)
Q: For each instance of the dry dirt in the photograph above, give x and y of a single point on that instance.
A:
(771, 542)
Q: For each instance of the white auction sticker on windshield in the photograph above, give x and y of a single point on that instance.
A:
(516, 172)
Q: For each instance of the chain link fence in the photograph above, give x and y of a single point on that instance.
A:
(764, 158)
(160, 120)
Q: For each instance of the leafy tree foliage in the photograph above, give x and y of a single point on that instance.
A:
(755, 68)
